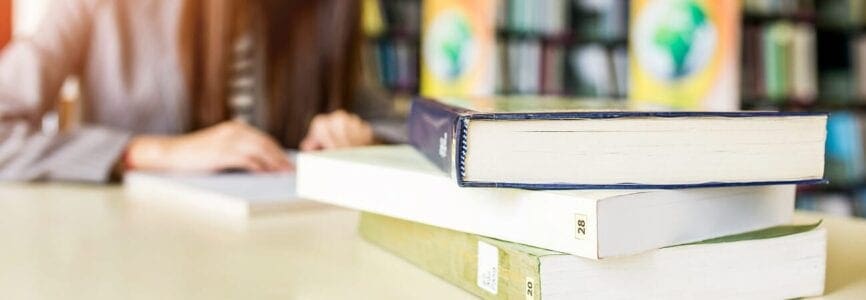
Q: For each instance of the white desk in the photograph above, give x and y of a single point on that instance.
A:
(89, 242)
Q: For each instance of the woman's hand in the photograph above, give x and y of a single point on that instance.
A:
(338, 129)
(228, 145)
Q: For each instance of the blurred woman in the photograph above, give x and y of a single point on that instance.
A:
(181, 85)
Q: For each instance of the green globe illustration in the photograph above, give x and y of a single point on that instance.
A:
(448, 46)
(674, 38)
(677, 33)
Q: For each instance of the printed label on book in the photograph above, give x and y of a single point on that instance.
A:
(443, 145)
(488, 267)
(579, 226)
(530, 288)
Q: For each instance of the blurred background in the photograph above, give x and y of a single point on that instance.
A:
(789, 55)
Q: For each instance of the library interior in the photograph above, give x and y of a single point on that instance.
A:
(432, 149)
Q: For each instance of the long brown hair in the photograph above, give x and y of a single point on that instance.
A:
(311, 58)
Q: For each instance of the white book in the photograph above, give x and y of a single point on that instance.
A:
(236, 195)
(776, 263)
(397, 181)
(777, 268)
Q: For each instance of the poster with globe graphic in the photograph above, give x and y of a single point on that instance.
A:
(457, 48)
(684, 54)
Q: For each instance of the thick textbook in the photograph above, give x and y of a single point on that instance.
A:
(541, 145)
(777, 263)
(237, 195)
(397, 181)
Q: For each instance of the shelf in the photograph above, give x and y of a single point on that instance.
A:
(784, 104)
(566, 38)
(802, 17)
(396, 35)
(796, 104)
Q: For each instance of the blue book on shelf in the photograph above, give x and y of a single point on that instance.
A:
(560, 144)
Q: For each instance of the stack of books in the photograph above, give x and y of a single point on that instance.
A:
(572, 204)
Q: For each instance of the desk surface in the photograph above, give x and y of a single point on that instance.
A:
(90, 242)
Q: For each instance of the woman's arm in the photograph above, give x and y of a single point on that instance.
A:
(236, 145)
(338, 129)
(31, 73)
(229, 145)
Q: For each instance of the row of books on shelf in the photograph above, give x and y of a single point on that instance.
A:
(838, 15)
(523, 66)
(845, 156)
(845, 83)
(841, 26)
(533, 66)
(536, 47)
(801, 52)
(391, 64)
(589, 19)
(779, 62)
(449, 204)
(561, 47)
(601, 20)
(390, 53)
(783, 8)
(843, 47)
(585, 19)
(546, 17)
(403, 15)
(841, 14)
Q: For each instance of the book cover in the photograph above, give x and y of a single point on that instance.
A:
(458, 45)
(684, 54)
(435, 126)
(717, 268)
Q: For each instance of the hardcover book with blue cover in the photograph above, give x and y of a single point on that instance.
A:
(558, 144)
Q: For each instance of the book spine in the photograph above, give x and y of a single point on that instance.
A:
(473, 263)
(434, 131)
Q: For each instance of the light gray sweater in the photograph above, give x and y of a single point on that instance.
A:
(128, 57)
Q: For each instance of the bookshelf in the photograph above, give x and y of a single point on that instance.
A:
(796, 55)
(562, 48)
(390, 50)
(554, 47)
(809, 55)
(778, 55)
